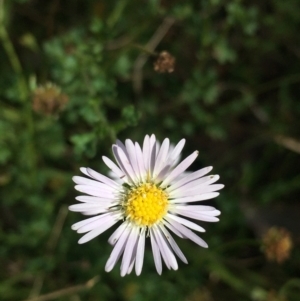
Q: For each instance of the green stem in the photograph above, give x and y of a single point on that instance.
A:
(144, 49)
(12, 56)
(22, 87)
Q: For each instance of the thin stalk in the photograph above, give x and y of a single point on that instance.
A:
(23, 91)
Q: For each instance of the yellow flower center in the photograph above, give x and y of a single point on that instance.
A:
(146, 204)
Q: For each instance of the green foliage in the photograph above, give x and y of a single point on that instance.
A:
(235, 89)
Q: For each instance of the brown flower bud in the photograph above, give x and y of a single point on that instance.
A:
(165, 62)
(48, 99)
(277, 244)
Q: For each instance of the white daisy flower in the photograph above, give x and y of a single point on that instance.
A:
(153, 200)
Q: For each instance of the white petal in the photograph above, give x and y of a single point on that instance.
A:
(146, 151)
(201, 190)
(195, 175)
(156, 253)
(122, 146)
(197, 208)
(102, 202)
(92, 234)
(172, 228)
(165, 249)
(133, 257)
(162, 175)
(84, 171)
(173, 243)
(197, 215)
(124, 163)
(117, 234)
(196, 183)
(152, 154)
(88, 182)
(161, 157)
(99, 177)
(189, 234)
(140, 252)
(176, 151)
(185, 222)
(128, 251)
(110, 164)
(76, 226)
(132, 157)
(140, 161)
(92, 212)
(195, 198)
(94, 191)
(97, 223)
(180, 168)
(117, 251)
(85, 207)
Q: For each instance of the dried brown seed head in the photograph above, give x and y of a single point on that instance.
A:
(165, 62)
(48, 99)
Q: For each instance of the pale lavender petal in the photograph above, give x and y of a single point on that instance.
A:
(152, 154)
(161, 157)
(146, 152)
(77, 225)
(140, 161)
(130, 268)
(156, 253)
(173, 244)
(102, 178)
(196, 183)
(94, 191)
(180, 168)
(133, 258)
(122, 146)
(125, 164)
(140, 252)
(84, 207)
(165, 250)
(95, 200)
(201, 190)
(97, 223)
(176, 151)
(132, 157)
(84, 171)
(173, 229)
(117, 234)
(110, 164)
(189, 234)
(128, 250)
(89, 236)
(193, 176)
(161, 249)
(117, 251)
(88, 182)
(163, 173)
(197, 215)
(195, 198)
(185, 222)
(196, 207)
(92, 212)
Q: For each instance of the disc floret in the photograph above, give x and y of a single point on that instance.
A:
(146, 204)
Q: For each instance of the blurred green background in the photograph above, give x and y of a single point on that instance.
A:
(77, 74)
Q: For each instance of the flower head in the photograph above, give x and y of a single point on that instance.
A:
(165, 62)
(277, 244)
(49, 99)
(151, 197)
